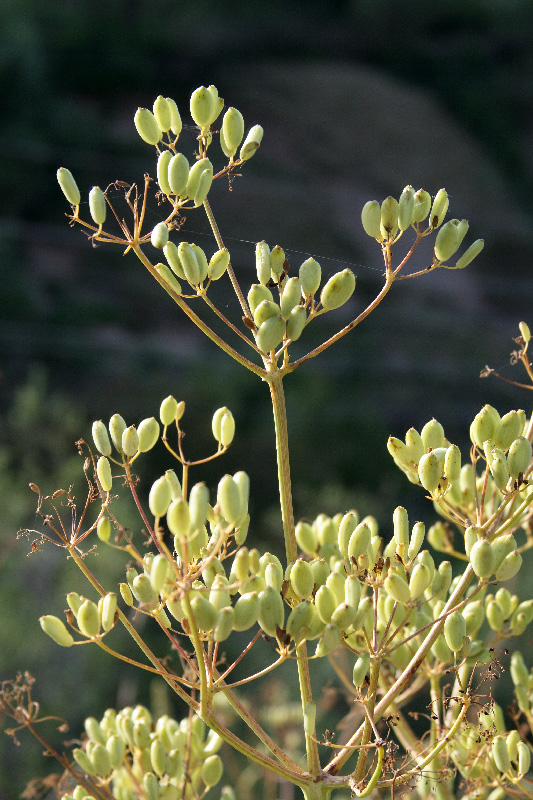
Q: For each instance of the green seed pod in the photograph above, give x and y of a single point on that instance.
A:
(178, 519)
(151, 786)
(292, 292)
(310, 275)
(204, 613)
(360, 670)
(175, 486)
(159, 235)
(103, 470)
(325, 603)
(389, 214)
(447, 241)
(371, 219)
(257, 294)
(441, 650)
(251, 143)
(482, 558)
(417, 539)
(162, 171)
(246, 611)
(306, 538)
(452, 463)
(420, 580)
(125, 593)
(198, 502)
(204, 185)
(167, 411)
(171, 254)
(320, 571)
(509, 429)
(505, 601)
(109, 607)
(509, 566)
(100, 760)
(142, 589)
(296, 323)
(270, 611)
(501, 547)
(270, 334)
(406, 208)
(163, 113)
(83, 761)
(265, 310)
(347, 526)
(343, 616)
(330, 641)
(159, 572)
(175, 118)
(432, 435)
(100, 438)
(495, 616)
(103, 529)
(88, 619)
(130, 442)
(229, 500)
(500, 473)
(116, 748)
(97, 205)
(352, 591)
(397, 588)
(68, 185)
(400, 522)
(359, 540)
(399, 451)
(524, 758)
(148, 432)
(439, 208)
(189, 263)
(455, 630)
(218, 264)
(233, 129)
(441, 580)
(470, 254)
(216, 424)
(56, 629)
(519, 671)
(335, 582)
(519, 456)
(302, 580)
(243, 482)
(147, 126)
(195, 174)
(338, 290)
(212, 770)
(178, 174)
(472, 534)
(474, 615)
(310, 718)
(168, 277)
(158, 757)
(326, 529)
(422, 204)
(224, 624)
(430, 471)
(414, 444)
(274, 576)
(500, 754)
(299, 620)
(262, 262)
(202, 106)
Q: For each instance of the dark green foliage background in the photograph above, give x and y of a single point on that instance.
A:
(357, 99)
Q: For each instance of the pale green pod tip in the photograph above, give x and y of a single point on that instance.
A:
(439, 208)
(159, 235)
(470, 254)
(422, 205)
(101, 438)
(167, 276)
(162, 113)
(218, 264)
(97, 205)
(338, 290)
(176, 123)
(202, 106)
(233, 129)
(103, 470)
(147, 126)
(68, 185)
(56, 629)
(371, 219)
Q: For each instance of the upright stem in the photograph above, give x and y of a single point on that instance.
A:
(277, 395)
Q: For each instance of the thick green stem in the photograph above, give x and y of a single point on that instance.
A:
(277, 395)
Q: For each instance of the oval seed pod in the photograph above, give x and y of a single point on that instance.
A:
(218, 103)
(299, 620)
(216, 424)
(292, 292)
(519, 456)
(359, 540)
(482, 558)
(447, 241)
(452, 463)
(389, 214)
(159, 235)
(399, 451)
(500, 473)
(325, 603)
(270, 611)
(274, 576)
(171, 254)
(218, 264)
(270, 334)
(233, 129)
(251, 143)
(310, 275)
(195, 173)
(277, 260)
(265, 310)
(83, 761)
(147, 126)
(500, 754)
(371, 219)
(175, 118)
(158, 756)
(432, 435)
(162, 113)
(347, 526)
(330, 641)
(178, 174)
(360, 669)
(406, 207)
(494, 615)
(338, 290)
(344, 616)
(162, 171)
(224, 624)
(243, 482)
(88, 619)
(205, 614)
(400, 522)
(257, 294)
(116, 747)
(148, 432)
(175, 485)
(246, 611)
(56, 629)
(229, 499)
(439, 208)
(455, 631)
(302, 580)
(262, 262)
(397, 588)
(509, 566)
(509, 429)
(198, 503)
(470, 254)
(189, 263)
(178, 519)
(103, 529)
(422, 204)
(524, 758)
(306, 538)
(212, 770)
(296, 323)
(109, 607)
(310, 717)
(420, 580)
(168, 277)
(159, 570)
(100, 438)
(103, 470)
(204, 185)
(97, 205)
(167, 411)
(417, 538)
(68, 186)
(130, 442)
(484, 427)
(430, 471)
(202, 261)
(202, 106)
(352, 591)
(117, 426)
(501, 547)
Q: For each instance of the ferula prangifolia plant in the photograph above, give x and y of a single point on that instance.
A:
(410, 637)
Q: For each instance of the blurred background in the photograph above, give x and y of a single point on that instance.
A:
(357, 98)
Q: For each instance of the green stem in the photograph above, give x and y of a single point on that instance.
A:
(367, 730)
(277, 395)
(220, 245)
